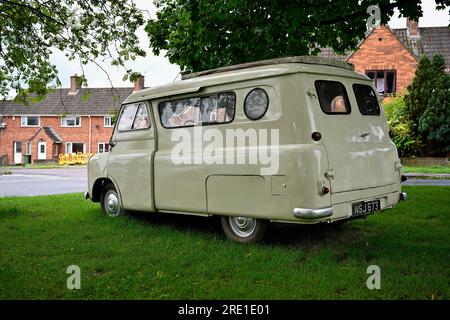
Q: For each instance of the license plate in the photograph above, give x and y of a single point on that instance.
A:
(365, 207)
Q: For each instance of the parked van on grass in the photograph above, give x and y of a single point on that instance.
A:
(297, 140)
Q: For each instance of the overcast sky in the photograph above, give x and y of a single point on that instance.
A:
(158, 70)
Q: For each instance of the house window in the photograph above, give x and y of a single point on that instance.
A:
(384, 80)
(74, 147)
(103, 147)
(71, 121)
(30, 121)
(108, 122)
(28, 148)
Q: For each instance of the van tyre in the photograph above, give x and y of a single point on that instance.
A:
(110, 202)
(244, 230)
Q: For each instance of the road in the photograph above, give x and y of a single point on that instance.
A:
(33, 182)
(427, 182)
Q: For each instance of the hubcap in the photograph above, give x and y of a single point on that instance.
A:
(241, 226)
(112, 204)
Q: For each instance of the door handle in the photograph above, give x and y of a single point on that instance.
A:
(365, 134)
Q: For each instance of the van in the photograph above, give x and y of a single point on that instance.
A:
(293, 140)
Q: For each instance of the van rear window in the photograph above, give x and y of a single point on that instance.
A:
(366, 99)
(213, 109)
(333, 97)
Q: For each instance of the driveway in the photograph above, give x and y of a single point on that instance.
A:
(34, 182)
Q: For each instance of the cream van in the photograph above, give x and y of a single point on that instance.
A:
(294, 140)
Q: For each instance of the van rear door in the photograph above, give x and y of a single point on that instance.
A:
(355, 135)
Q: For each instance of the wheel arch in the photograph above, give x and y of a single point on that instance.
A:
(98, 187)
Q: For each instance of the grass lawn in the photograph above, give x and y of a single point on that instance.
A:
(157, 256)
(432, 169)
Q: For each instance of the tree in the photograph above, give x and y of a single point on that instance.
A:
(86, 30)
(204, 34)
(434, 122)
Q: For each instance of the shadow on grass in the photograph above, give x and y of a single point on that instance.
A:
(278, 234)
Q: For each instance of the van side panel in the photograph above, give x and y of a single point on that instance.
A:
(243, 188)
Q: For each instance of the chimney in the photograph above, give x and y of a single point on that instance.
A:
(75, 84)
(139, 83)
(412, 28)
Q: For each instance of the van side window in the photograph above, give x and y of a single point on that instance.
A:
(127, 117)
(142, 120)
(366, 99)
(134, 117)
(333, 97)
(213, 109)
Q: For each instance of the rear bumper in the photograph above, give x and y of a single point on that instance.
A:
(307, 213)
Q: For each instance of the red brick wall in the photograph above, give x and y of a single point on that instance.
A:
(15, 132)
(385, 54)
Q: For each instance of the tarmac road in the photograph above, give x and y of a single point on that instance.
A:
(427, 182)
(33, 182)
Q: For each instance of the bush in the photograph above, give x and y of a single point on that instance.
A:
(428, 105)
(402, 127)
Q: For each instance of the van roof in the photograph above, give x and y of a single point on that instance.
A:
(298, 59)
(254, 70)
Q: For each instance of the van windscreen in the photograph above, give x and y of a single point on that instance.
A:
(366, 99)
(333, 97)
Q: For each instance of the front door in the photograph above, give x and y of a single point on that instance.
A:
(17, 152)
(42, 150)
(130, 158)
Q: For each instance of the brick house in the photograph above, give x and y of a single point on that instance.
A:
(68, 120)
(390, 56)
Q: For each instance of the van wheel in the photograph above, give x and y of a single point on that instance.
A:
(244, 230)
(110, 202)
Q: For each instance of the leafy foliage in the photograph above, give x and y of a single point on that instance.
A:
(428, 105)
(434, 124)
(402, 127)
(85, 30)
(204, 34)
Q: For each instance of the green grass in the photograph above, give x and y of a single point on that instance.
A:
(157, 256)
(432, 169)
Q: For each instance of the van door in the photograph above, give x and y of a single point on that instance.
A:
(360, 152)
(130, 159)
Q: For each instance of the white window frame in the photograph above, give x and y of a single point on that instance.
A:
(110, 122)
(104, 144)
(69, 117)
(22, 118)
(71, 147)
